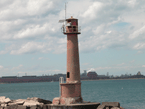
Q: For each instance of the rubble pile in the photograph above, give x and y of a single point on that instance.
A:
(38, 103)
(110, 105)
(29, 103)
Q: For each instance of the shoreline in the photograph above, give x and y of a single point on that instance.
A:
(81, 80)
(111, 79)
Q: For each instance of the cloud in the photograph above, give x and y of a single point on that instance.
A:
(32, 26)
(93, 10)
(3, 52)
(139, 46)
(42, 58)
(143, 65)
(132, 61)
(121, 64)
(102, 68)
(18, 67)
(30, 47)
(1, 67)
(138, 33)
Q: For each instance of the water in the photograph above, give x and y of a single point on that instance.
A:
(130, 93)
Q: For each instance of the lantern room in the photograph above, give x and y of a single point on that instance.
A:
(71, 26)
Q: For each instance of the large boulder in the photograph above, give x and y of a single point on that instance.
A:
(3, 105)
(115, 108)
(111, 104)
(101, 107)
(40, 100)
(12, 107)
(18, 102)
(22, 107)
(3, 99)
(31, 103)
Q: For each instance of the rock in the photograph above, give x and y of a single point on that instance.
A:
(39, 106)
(56, 101)
(101, 107)
(33, 107)
(3, 99)
(12, 106)
(107, 107)
(31, 103)
(40, 100)
(21, 107)
(45, 106)
(115, 108)
(18, 102)
(113, 104)
(3, 105)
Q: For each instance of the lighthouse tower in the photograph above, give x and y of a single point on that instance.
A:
(71, 90)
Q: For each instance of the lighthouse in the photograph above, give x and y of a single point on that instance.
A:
(71, 90)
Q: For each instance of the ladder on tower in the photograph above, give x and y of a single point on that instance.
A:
(61, 80)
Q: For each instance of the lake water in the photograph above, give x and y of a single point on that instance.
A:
(130, 93)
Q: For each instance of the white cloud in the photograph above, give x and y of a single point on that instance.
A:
(138, 33)
(42, 58)
(121, 64)
(33, 31)
(34, 23)
(30, 47)
(18, 67)
(3, 52)
(93, 10)
(139, 46)
(132, 61)
(101, 68)
(139, 52)
(132, 3)
(37, 7)
(1, 67)
(143, 65)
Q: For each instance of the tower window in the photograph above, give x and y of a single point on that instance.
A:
(68, 74)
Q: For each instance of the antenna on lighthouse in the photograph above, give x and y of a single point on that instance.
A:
(65, 10)
(63, 21)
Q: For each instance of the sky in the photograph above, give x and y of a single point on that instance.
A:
(112, 36)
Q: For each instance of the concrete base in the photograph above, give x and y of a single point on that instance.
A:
(71, 100)
(75, 106)
(67, 101)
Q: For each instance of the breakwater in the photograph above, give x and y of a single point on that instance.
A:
(38, 103)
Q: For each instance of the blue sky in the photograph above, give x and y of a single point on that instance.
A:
(112, 36)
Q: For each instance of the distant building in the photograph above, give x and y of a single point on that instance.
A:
(92, 74)
(84, 76)
(85, 73)
(57, 76)
(138, 73)
(102, 77)
(108, 74)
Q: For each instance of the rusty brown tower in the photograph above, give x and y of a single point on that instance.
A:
(71, 90)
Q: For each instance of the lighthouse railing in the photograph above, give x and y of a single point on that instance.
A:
(65, 29)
